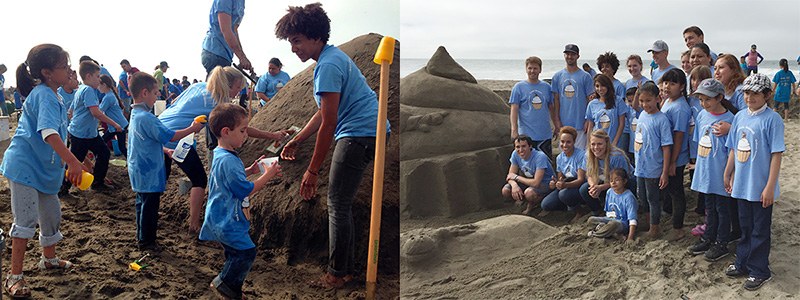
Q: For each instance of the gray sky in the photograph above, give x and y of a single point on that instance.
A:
(148, 31)
(516, 29)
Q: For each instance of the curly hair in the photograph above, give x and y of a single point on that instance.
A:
(608, 58)
(310, 20)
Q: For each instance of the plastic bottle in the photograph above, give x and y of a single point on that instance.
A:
(183, 147)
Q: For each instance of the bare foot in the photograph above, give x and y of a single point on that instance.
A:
(676, 234)
(653, 232)
(518, 203)
(529, 209)
(579, 213)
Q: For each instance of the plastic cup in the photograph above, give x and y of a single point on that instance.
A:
(86, 179)
(266, 162)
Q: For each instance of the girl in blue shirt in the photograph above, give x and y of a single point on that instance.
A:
(698, 74)
(677, 110)
(783, 84)
(621, 209)
(601, 157)
(751, 175)
(570, 175)
(33, 162)
(111, 105)
(606, 112)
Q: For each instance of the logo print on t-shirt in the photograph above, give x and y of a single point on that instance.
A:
(536, 101)
(569, 90)
(743, 148)
(568, 173)
(527, 172)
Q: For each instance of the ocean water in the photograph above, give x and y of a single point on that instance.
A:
(514, 69)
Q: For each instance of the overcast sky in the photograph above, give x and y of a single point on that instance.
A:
(148, 31)
(516, 29)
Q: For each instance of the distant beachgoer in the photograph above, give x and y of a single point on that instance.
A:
(269, 84)
(571, 89)
(222, 38)
(753, 60)
(621, 209)
(531, 107)
(160, 69)
(588, 69)
(743, 64)
(124, 89)
(693, 35)
(528, 178)
(726, 70)
(185, 82)
(783, 84)
(570, 175)
(3, 108)
(600, 158)
(660, 51)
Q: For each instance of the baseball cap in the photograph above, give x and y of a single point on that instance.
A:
(710, 87)
(756, 83)
(571, 48)
(164, 64)
(659, 46)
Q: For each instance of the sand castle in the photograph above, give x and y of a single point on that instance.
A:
(456, 141)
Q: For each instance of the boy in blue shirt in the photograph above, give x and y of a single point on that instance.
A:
(146, 156)
(227, 218)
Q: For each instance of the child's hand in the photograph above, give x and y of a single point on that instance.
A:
(663, 181)
(246, 211)
(728, 182)
(721, 128)
(196, 126)
(630, 243)
(75, 172)
(252, 169)
(117, 127)
(767, 197)
(168, 151)
(281, 134)
(273, 170)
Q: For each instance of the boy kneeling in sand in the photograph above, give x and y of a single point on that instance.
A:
(534, 183)
(621, 207)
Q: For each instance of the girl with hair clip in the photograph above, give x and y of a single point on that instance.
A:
(602, 157)
(34, 162)
(783, 84)
(676, 108)
(111, 105)
(199, 99)
(607, 111)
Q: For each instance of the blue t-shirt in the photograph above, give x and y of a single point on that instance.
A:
(175, 89)
(122, 85)
(606, 119)
(712, 154)
(635, 83)
(537, 160)
(737, 99)
(569, 165)
(619, 88)
(783, 85)
(145, 154)
(194, 101)
(83, 124)
(268, 84)
(573, 90)
(754, 139)
(227, 187)
(615, 160)
(622, 207)
(110, 106)
(657, 73)
(2, 87)
(29, 160)
(214, 42)
(633, 119)
(67, 97)
(694, 104)
(679, 113)
(335, 72)
(534, 101)
(653, 131)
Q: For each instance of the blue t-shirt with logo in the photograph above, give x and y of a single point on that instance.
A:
(657, 73)
(606, 119)
(227, 187)
(753, 139)
(67, 97)
(29, 160)
(712, 154)
(268, 84)
(737, 99)
(783, 85)
(617, 159)
(335, 72)
(633, 119)
(83, 124)
(622, 207)
(679, 113)
(194, 101)
(573, 90)
(653, 131)
(635, 83)
(537, 160)
(534, 101)
(110, 106)
(145, 150)
(214, 42)
(569, 165)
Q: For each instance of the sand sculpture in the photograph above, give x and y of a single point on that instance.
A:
(455, 141)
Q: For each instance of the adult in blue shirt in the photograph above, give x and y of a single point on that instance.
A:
(222, 39)
(694, 35)
(349, 113)
(269, 84)
(660, 51)
(123, 89)
(571, 88)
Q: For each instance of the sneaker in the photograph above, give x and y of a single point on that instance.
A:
(716, 252)
(699, 230)
(701, 247)
(732, 271)
(752, 283)
(102, 187)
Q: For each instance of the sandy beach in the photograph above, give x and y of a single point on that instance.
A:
(496, 253)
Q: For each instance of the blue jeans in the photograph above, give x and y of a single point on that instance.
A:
(624, 142)
(650, 198)
(147, 218)
(350, 158)
(237, 264)
(211, 60)
(566, 199)
(753, 250)
(718, 218)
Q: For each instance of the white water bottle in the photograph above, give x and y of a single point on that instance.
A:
(183, 147)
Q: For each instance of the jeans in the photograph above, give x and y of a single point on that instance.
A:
(624, 142)
(675, 192)
(650, 198)
(701, 200)
(237, 264)
(147, 218)
(101, 154)
(718, 218)
(350, 158)
(121, 140)
(566, 199)
(753, 250)
(211, 60)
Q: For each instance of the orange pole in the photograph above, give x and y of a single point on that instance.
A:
(383, 57)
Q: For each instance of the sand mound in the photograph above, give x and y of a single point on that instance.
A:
(450, 125)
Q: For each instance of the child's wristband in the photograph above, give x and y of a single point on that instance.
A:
(246, 202)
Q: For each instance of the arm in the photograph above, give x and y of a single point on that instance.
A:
(535, 181)
(760, 58)
(768, 195)
(631, 232)
(730, 167)
(194, 128)
(311, 127)
(619, 130)
(262, 96)
(102, 117)
(232, 39)
(260, 134)
(553, 116)
(74, 165)
(587, 127)
(329, 106)
(662, 182)
(676, 150)
(513, 119)
(577, 182)
(511, 179)
(557, 114)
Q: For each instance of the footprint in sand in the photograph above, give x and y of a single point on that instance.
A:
(524, 281)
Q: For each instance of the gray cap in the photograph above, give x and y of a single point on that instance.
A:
(659, 46)
(710, 87)
(3, 68)
(756, 83)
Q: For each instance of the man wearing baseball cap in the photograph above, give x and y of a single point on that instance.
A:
(660, 51)
(159, 75)
(571, 88)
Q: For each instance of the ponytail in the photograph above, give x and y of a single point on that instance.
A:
(25, 82)
(106, 80)
(784, 64)
(42, 56)
(220, 80)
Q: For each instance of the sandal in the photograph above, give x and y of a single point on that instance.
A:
(328, 281)
(54, 262)
(20, 292)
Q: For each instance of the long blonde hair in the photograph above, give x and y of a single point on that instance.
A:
(592, 168)
(220, 80)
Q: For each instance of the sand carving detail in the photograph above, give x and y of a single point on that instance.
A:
(423, 122)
